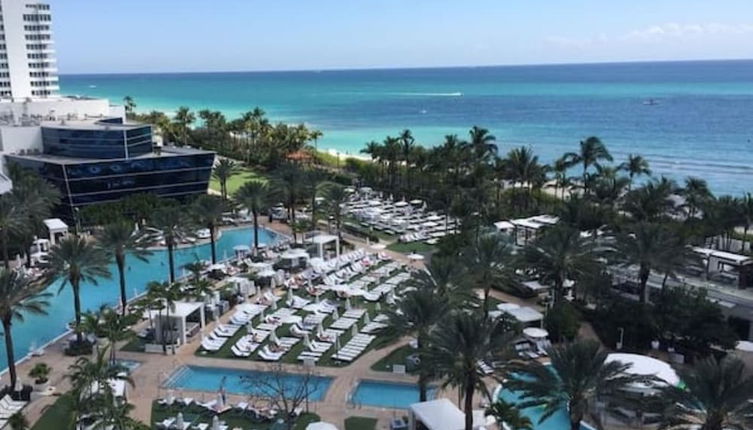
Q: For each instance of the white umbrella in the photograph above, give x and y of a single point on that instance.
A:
(354, 329)
(306, 341)
(179, 421)
(378, 306)
(274, 305)
(335, 315)
(347, 303)
(321, 425)
(273, 336)
(216, 423)
(320, 329)
(170, 397)
(366, 318)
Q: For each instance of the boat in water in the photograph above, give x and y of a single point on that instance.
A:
(650, 102)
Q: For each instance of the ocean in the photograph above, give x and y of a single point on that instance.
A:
(701, 122)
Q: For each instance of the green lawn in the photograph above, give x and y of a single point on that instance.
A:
(236, 181)
(291, 357)
(398, 356)
(407, 248)
(233, 419)
(57, 416)
(360, 423)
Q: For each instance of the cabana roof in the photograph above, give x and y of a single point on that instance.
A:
(525, 314)
(644, 365)
(442, 414)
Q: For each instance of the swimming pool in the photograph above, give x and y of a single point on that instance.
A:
(36, 330)
(393, 395)
(558, 421)
(196, 378)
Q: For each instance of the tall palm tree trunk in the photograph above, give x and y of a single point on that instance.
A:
(468, 407)
(644, 274)
(9, 352)
(170, 260)
(120, 262)
(6, 258)
(77, 309)
(211, 244)
(256, 231)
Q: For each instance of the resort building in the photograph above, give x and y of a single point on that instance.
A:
(99, 161)
(28, 69)
(85, 146)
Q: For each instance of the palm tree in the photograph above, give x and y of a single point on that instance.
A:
(76, 260)
(18, 421)
(119, 239)
(90, 377)
(560, 253)
(635, 166)
(130, 106)
(335, 195)
(746, 208)
(489, 262)
(444, 276)
(417, 314)
(12, 221)
(697, 194)
(483, 144)
(579, 374)
(207, 211)
(715, 396)
(115, 328)
(35, 198)
(18, 296)
(646, 245)
(289, 182)
(407, 141)
(508, 416)
(224, 169)
(166, 294)
(651, 201)
(592, 150)
(456, 347)
(174, 226)
(183, 120)
(254, 196)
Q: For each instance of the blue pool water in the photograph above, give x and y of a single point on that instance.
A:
(388, 394)
(558, 421)
(241, 382)
(36, 330)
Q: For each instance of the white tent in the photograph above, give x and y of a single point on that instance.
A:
(646, 366)
(323, 239)
(525, 315)
(441, 414)
(321, 425)
(57, 228)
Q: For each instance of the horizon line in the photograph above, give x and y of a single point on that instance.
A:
(387, 68)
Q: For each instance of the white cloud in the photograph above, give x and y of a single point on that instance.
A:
(673, 30)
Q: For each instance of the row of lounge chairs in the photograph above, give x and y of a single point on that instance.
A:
(355, 347)
(9, 407)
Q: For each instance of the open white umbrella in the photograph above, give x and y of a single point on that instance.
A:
(321, 425)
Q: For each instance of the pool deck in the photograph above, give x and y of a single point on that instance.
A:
(155, 368)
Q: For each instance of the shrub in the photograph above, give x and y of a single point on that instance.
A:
(76, 348)
(39, 372)
(562, 322)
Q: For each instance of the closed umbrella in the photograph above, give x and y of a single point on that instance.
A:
(335, 315)
(216, 423)
(378, 306)
(179, 421)
(354, 330)
(348, 305)
(366, 318)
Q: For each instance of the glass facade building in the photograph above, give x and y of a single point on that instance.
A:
(107, 160)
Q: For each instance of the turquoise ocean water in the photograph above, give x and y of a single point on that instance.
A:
(701, 124)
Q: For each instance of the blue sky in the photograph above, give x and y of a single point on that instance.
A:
(223, 35)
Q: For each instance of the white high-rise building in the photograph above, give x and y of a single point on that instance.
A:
(28, 69)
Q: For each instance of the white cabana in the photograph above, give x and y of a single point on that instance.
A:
(242, 285)
(441, 414)
(321, 425)
(535, 286)
(644, 365)
(322, 240)
(179, 314)
(525, 315)
(57, 229)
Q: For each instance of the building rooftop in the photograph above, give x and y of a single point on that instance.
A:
(58, 159)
